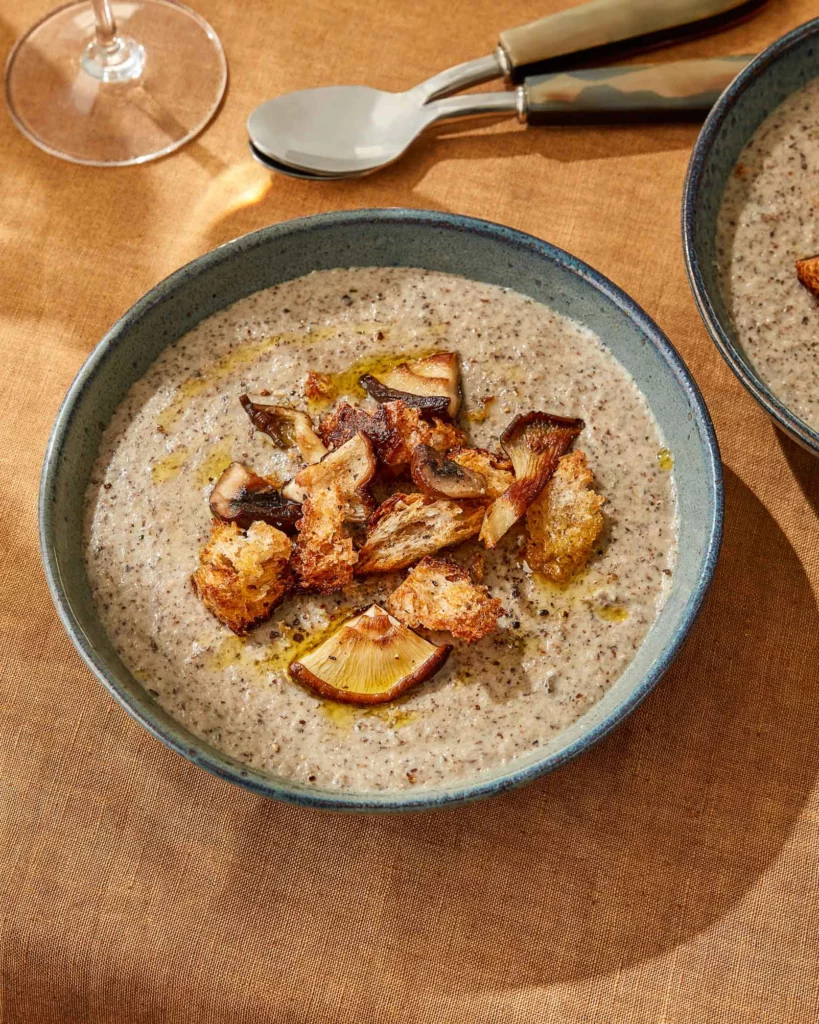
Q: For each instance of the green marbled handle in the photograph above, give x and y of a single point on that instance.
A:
(681, 89)
(602, 22)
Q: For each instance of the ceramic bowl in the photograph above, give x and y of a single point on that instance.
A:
(412, 238)
(786, 66)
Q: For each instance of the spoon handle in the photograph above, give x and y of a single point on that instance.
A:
(601, 23)
(679, 90)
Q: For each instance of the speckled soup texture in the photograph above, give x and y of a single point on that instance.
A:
(769, 219)
(558, 650)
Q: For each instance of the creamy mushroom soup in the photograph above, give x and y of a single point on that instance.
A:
(558, 649)
(768, 220)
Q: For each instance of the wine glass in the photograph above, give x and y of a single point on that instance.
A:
(115, 82)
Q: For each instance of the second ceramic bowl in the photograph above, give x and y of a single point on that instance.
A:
(786, 66)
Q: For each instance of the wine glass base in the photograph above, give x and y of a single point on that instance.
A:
(138, 104)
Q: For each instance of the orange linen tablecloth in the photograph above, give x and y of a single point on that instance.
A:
(668, 875)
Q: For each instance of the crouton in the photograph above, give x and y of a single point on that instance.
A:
(496, 470)
(807, 271)
(564, 521)
(350, 468)
(395, 429)
(324, 558)
(439, 594)
(242, 576)
(318, 387)
(406, 527)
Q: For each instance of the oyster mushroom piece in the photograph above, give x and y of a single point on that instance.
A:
(534, 443)
(243, 497)
(434, 473)
(432, 384)
(286, 427)
(349, 469)
(807, 271)
(371, 659)
(496, 470)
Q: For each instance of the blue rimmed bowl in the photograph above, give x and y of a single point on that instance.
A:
(778, 72)
(411, 238)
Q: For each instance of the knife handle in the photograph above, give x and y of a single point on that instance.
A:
(601, 23)
(680, 90)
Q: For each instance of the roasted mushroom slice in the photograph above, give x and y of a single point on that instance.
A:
(286, 427)
(349, 468)
(439, 594)
(371, 659)
(496, 471)
(534, 442)
(243, 576)
(564, 521)
(429, 405)
(434, 473)
(807, 271)
(432, 384)
(406, 527)
(243, 497)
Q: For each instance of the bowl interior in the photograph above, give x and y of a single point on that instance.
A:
(785, 67)
(474, 249)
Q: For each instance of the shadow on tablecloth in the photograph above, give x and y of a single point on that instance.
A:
(631, 850)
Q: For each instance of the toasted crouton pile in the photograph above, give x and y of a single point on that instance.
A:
(243, 575)
(437, 491)
(565, 521)
(439, 594)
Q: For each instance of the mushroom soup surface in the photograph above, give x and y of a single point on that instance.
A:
(769, 223)
(547, 652)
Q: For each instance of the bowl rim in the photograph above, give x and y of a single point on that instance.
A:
(792, 424)
(198, 751)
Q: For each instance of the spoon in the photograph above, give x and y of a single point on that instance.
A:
(347, 130)
(674, 91)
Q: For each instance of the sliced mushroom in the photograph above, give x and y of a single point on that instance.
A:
(432, 384)
(534, 443)
(433, 473)
(371, 659)
(243, 497)
(286, 427)
(495, 469)
(350, 468)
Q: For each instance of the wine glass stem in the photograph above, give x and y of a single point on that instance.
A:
(106, 27)
(110, 57)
